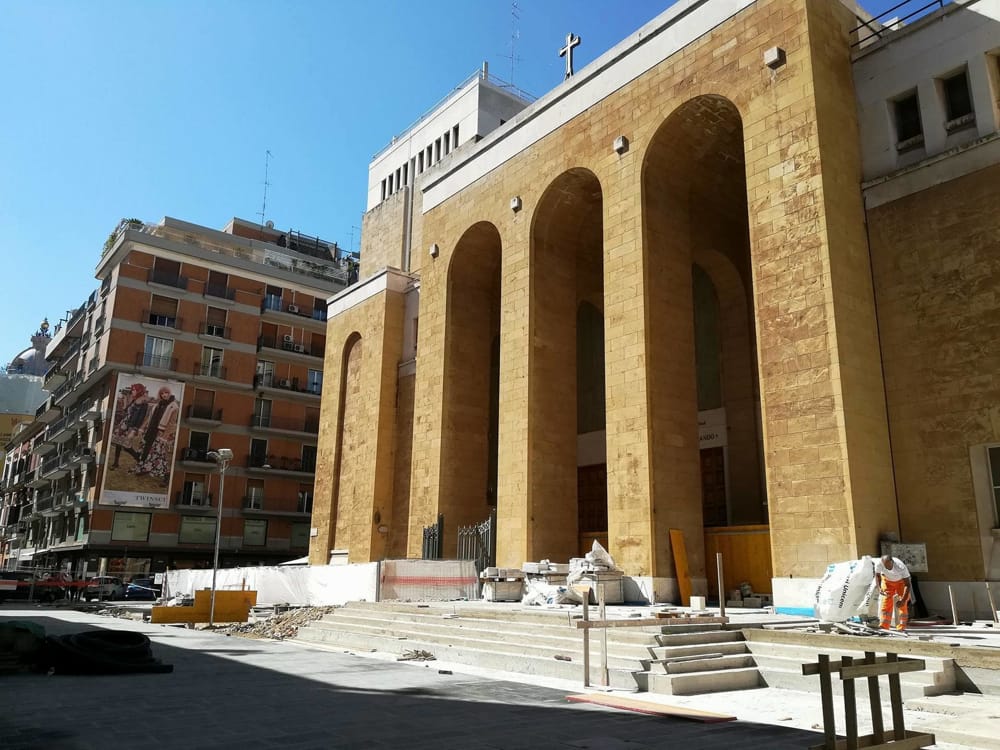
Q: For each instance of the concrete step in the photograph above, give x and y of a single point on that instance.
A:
(781, 666)
(699, 637)
(709, 663)
(725, 648)
(712, 681)
(485, 658)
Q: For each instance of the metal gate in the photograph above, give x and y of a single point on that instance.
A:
(479, 542)
(431, 549)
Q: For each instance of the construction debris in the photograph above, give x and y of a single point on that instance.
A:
(280, 626)
(416, 655)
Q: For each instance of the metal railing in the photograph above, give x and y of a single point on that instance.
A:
(157, 361)
(167, 278)
(433, 540)
(185, 497)
(479, 542)
(221, 292)
(210, 371)
(886, 22)
(266, 421)
(207, 413)
(211, 329)
(161, 320)
(281, 463)
(196, 454)
(253, 502)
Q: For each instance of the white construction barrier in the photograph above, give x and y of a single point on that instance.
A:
(428, 580)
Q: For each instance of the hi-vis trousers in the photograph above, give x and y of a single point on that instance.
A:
(890, 591)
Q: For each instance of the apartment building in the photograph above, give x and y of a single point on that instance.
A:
(196, 339)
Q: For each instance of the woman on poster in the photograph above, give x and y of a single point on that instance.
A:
(159, 431)
(131, 413)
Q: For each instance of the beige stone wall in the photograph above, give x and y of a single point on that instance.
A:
(826, 448)
(382, 235)
(357, 439)
(936, 260)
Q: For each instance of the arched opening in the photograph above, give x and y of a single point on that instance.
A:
(568, 452)
(471, 382)
(348, 531)
(704, 400)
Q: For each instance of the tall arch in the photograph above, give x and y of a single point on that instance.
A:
(471, 378)
(349, 448)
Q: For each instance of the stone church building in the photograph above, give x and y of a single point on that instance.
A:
(738, 277)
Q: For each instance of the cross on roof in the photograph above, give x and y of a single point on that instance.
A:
(571, 41)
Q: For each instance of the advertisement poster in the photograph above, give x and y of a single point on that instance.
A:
(139, 465)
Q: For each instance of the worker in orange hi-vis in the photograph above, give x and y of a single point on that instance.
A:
(894, 582)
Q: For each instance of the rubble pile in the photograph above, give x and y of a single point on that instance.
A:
(281, 626)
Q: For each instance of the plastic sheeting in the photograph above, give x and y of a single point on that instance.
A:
(428, 580)
(315, 585)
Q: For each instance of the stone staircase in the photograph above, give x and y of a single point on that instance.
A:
(670, 659)
(780, 665)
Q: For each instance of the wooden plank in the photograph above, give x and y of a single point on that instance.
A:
(871, 670)
(648, 707)
(826, 698)
(896, 702)
(681, 566)
(875, 702)
(835, 666)
(850, 709)
(913, 741)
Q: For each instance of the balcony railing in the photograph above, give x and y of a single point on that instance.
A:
(193, 500)
(270, 505)
(157, 361)
(161, 320)
(211, 329)
(167, 279)
(268, 422)
(281, 463)
(221, 292)
(210, 371)
(196, 454)
(286, 384)
(253, 502)
(287, 343)
(207, 413)
(51, 463)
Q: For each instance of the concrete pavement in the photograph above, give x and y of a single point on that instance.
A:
(227, 692)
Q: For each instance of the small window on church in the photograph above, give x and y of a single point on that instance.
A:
(909, 129)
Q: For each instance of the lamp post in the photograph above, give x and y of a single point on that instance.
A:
(222, 457)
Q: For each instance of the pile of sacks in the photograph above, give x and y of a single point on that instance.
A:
(538, 592)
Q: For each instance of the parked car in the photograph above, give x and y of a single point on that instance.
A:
(104, 587)
(142, 589)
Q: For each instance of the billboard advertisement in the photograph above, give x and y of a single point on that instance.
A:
(138, 467)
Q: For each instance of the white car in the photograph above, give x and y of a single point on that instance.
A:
(104, 587)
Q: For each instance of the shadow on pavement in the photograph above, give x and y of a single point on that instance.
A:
(279, 695)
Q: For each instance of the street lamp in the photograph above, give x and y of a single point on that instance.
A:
(222, 457)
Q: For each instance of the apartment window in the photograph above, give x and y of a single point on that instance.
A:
(312, 420)
(272, 298)
(258, 452)
(447, 143)
(211, 362)
(319, 309)
(420, 163)
(454, 137)
(254, 499)
(158, 352)
(195, 490)
(218, 285)
(437, 150)
(265, 373)
(994, 461)
(383, 189)
(262, 412)
(167, 272)
(162, 312)
(203, 406)
(308, 458)
(406, 174)
(430, 156)
(909, 130)
(390, 183)
(215, 322)
(315, 381)
(305, 498)
(199, 440)
(957, 100)
(254, 532)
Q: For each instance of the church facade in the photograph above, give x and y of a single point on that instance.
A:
(735, 278)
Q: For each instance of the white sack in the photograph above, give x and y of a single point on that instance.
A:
(845, 590)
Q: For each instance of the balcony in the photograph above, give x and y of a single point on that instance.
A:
(43, 502)
(196, 457)
(55, 376)
(156, 361)
(285, 465)
(289, 385)
(165, 278)
(220, 292)
(284, 424)
(259, 506)
(48, 412)
(54, 467)
(150, 319)
(274, 307)
(187, 500)
(213, 331)
(82, 456)
(205, 415)
(288, 345)
(213, 370)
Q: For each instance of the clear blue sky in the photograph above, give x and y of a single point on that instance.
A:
(166, 107)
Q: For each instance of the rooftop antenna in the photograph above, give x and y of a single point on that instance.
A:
(515, 34)
(263, 208)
